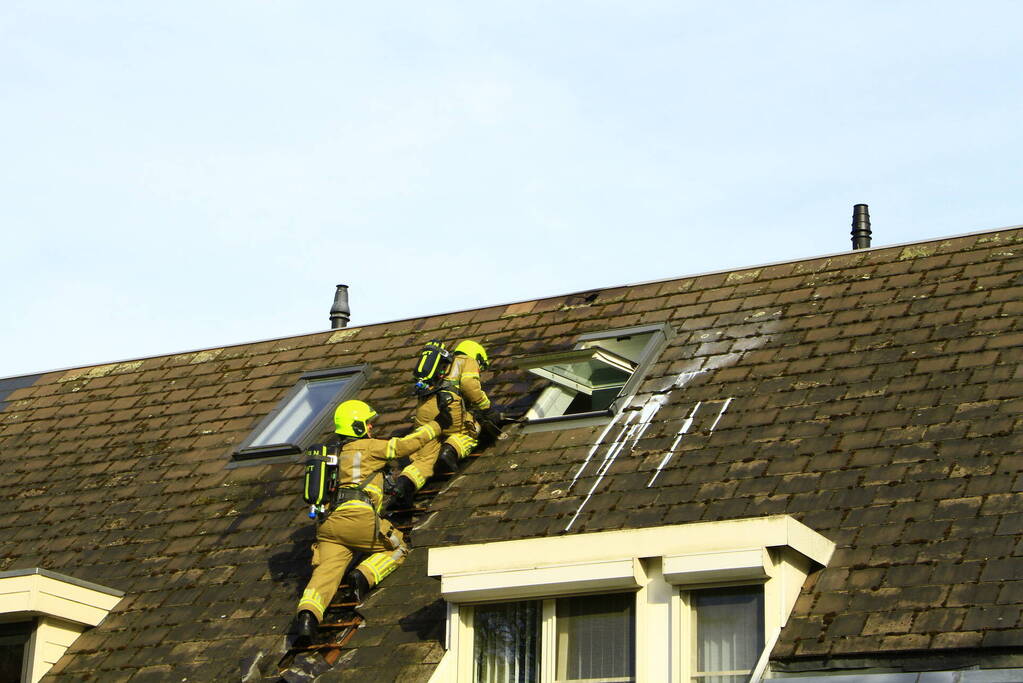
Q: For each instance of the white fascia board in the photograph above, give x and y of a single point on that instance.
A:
(41, 594)
(734, 565)
(606, 546)
(549, 581)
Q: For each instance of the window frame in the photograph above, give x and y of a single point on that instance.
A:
(290, 451)
(548, 637)
(655, 563)
(661, 336)
(22, 633)
(684, 656)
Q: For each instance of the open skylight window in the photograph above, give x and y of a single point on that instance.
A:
(303, 414)
(592, 371)
(593, 379)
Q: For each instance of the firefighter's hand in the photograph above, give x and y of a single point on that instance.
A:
(444, 415)
(490, 415)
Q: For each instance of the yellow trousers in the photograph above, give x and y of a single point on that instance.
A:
(461, 435)
(348, 529)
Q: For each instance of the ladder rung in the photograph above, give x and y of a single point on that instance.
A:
(342, 624)
(404, 511)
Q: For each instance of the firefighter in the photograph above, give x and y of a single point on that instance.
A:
(462, 395)
(353, 523)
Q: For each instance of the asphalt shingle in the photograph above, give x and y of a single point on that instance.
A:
(875, 396)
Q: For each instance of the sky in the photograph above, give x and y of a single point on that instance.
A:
(187, 175)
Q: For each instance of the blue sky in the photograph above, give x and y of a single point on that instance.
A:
(187, 175)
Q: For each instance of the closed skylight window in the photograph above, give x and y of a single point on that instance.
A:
(303, 414)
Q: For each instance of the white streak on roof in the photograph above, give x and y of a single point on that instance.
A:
(720, 413)
(685, 377)
(650, 409)
(686, 424)
(609, 458)
(596, 445)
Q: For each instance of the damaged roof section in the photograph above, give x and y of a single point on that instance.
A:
(873, 396)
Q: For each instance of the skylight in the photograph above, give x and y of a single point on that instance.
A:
(593, 379)
(303, 414)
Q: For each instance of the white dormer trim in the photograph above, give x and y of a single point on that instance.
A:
(659, 563)
(61, 607)
(705, 551)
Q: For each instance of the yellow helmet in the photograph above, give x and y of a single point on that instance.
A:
(351, 418)
(473, 350)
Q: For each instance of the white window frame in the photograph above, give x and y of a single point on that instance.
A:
(658, 563)
(548, 640)
(563, 389)
(291, 450)
(684, 664)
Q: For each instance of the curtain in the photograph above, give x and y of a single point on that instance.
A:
(729, 625)
(506, 642)
(596, 638)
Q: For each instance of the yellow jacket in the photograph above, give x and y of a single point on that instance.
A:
(364, 459)
(464, 377)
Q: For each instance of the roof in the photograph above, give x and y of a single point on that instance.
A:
(875, 396)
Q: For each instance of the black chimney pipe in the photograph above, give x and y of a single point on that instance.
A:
(340, 314)
(861, 227)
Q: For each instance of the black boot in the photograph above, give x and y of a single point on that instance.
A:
(401, 499)
(359, 586)
(306, 628)
(448, 459)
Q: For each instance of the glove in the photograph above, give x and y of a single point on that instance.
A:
(444, 411)
(490, 415)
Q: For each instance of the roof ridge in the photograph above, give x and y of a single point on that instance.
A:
(523, 301)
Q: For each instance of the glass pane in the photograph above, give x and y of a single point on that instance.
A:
(590, 374)
(506, 642)
(596, 638)
(13, 638)
(300, 412)
(729, 633)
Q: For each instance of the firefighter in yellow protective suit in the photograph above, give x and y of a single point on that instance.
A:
(460, 392)
(353, 523)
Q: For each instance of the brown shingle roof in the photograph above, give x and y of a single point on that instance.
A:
(875, 396)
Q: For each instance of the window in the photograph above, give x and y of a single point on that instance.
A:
(506, 642)
(688, 603)
(303, 414)
(595, 378)
(596, 638)
(580, 639)
(726, 633)
(13, 639)
(59, 609)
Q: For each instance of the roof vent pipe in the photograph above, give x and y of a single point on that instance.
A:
(340, 314)
(861, 227)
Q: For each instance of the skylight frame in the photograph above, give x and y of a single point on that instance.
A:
(594, 354)
(660, 335)
(300, 439)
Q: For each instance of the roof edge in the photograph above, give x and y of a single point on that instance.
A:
(63, 578)
(521, 301)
